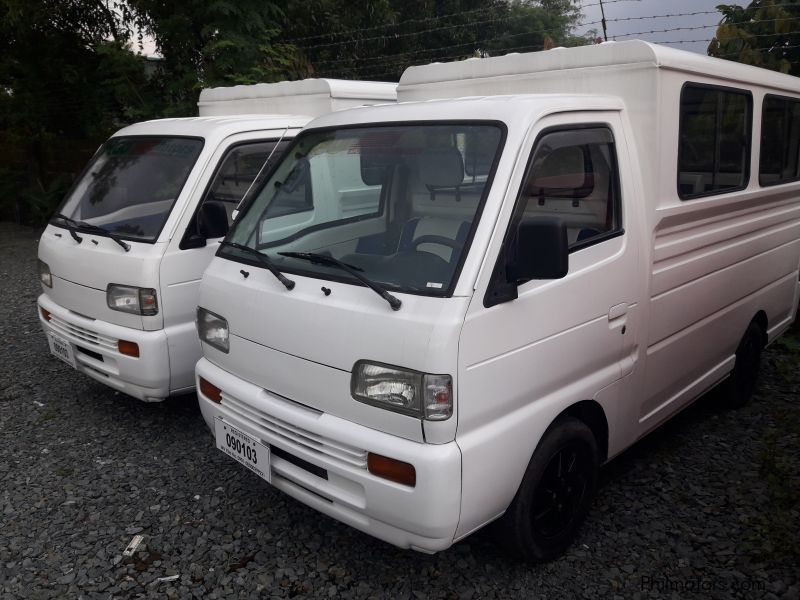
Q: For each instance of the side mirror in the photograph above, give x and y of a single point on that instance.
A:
(540, 250)
(212, 220)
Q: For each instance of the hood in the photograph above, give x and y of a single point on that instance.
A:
(93, 264)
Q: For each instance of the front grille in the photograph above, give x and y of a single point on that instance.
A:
(85, 335)
(298, 462)
(283, 431)
(92, 353)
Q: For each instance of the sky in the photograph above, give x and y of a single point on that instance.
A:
(641, 15)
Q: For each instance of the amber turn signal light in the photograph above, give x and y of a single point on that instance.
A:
(128, 348)
(391, 469)
(45, 314)
(210, 391)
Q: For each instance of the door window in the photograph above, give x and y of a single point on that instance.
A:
(573, 175)
(237, 171)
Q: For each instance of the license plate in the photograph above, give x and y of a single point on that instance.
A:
(243, 448)
(61, 348)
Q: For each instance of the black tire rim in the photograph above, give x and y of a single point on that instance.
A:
(559, 497)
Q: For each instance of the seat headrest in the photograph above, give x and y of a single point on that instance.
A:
(441, 167)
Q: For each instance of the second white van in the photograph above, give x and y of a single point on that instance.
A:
(120, 262)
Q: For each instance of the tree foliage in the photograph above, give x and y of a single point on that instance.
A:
(765, 33)
(70, 73)
(208, 43)
(379, 38)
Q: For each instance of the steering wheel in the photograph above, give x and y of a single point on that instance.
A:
(436, 239)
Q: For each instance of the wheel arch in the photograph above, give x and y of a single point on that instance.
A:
(761, 320)
(592, 414)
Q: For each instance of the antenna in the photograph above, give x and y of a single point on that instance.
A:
(603, 15)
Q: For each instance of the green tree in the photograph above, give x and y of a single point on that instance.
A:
(66, 79)
(765, 33)
(378, 39)
(208, 43)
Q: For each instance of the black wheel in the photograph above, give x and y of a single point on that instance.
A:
(739, 387)
(555, 494)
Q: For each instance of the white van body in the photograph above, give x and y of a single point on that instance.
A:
(75, 313)
(651, 313)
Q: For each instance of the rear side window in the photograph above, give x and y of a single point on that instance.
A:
(573, 175)
(714, 140)
(780, 140)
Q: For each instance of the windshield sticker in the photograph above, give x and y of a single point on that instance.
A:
(432, 284)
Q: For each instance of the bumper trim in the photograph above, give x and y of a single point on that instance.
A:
(423, 518)
(146, 378)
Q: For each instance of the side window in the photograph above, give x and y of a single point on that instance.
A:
(235, 174)
(714, 140)
(573, 175)
(779, 160)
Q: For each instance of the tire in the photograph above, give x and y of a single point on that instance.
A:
(740, 385)
(551, 502)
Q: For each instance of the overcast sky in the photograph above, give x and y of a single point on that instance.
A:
(643, 18)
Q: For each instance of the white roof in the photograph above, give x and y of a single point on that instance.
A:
(513, 110)
(334, 88)
(630, 52)
(311, 97)
(207, 127)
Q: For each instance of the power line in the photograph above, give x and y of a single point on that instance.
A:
(421, 32)
(391, 65)
(351, 32)
(392, 58)
(390, 25)
(434, 50)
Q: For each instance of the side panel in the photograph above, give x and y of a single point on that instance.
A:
(713, 270)
(717, 261)
(523, 362)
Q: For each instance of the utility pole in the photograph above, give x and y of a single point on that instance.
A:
(603, 13)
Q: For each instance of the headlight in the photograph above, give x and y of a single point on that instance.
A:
(403, 390)
(44, 274)
(212, 329)
(129, 299)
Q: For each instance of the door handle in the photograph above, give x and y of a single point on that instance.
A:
(617, 311)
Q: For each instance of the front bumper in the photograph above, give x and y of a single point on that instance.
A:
(422, 518)
(94, 345)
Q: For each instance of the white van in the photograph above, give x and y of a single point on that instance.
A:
(532, 282)
(120, 263)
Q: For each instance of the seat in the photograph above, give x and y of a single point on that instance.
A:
(441, 168)
(419, 229)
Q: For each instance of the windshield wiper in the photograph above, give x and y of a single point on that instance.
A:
(70, 227)
(93, 228)
(264, 259)
(323, 259)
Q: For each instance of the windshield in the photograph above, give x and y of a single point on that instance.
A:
(130, 186)
(396, 203)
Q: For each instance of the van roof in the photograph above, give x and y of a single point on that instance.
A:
(334, 88)
(207, 127)
(608, 54)
(510, 109)
(308, 96)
